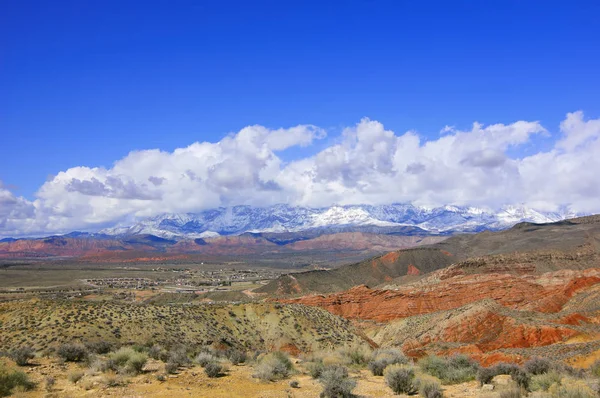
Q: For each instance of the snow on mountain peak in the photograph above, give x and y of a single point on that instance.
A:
(285, 218)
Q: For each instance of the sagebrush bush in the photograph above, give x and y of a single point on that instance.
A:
(129, 361)
(537, 366)
(378, 366)
(99, 347)
(428, 388)
(520, 376)
(382, 358)
(274, 366)
(358, 356)
(158, 353)
(204, 358)
(336, 383)
(236, 357)
(544, 381)
(572, 388)
(11, 379)
(511, 393)
(392, 355)
(315, 369)
(400, 379)
(179, 356)
(213, 369)
(72, 352)
(171, 367)
(452, 370)
(22, 355)
(75, 376)
(595, 368)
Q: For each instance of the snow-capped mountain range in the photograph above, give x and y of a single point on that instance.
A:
(284, 218)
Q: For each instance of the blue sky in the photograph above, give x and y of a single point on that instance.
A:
(85, 82)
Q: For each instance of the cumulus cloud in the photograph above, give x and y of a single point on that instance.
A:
(367, 164)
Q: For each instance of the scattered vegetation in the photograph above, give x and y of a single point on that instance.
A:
(511, 393)
(336, 383)
(518, 374)
(72, 352)
(543, 382)
(429, 388)
(595, 368)
(11, 379)
(400, 379)
(128, 361)
(452, 370)
(315, 369)
(274, 366)
(382, 358)
(572, 388)
(75, 376)
(22, 355)
(537, 366)
(213, 369)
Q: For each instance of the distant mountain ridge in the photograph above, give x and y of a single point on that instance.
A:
(281, 218)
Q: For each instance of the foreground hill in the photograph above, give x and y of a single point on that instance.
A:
(48, 323)
(525, 248)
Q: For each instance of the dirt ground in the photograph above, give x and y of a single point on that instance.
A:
(192, 382)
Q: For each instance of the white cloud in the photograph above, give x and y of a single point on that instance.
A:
(369, 164)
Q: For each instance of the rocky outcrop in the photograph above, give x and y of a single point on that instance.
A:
(546, 293)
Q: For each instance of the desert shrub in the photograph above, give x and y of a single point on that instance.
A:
(595, 368)
(22, 355)
(127, 360)
(75, 376)
(213, 369)
(520, 376)
(571, 388)
(179, 356)
(428, 387)
(171, 367)
(511, 393)
(382, 358)
(274, 366)
(400, 379)
(205, 358)
(11, 379)
(49, 383)
(391, 355)
(236, 357)
(543, 381)
(378, 366)
(112, 380)
(99, 347)
(358, 356)
(158, 353)
(315, 369)
(452, 370)
(336, 383)
(72, 352)
(537, 366)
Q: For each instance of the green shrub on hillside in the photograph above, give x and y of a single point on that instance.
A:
(451, 370)
(11, 379)
(129, 361)
(72, 352)
(22, 355)
(274, 366)
(336, 383)
(400, 379)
